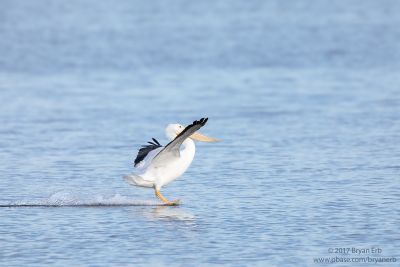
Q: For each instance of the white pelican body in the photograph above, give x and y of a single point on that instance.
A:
(161, 176)
(159, 165)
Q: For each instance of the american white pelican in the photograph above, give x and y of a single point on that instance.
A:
(160, 165)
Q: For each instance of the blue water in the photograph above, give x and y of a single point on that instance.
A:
(305, 97)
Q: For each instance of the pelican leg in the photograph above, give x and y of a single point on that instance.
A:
(158, 194)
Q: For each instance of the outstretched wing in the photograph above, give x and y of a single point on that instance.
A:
(172, 150)
(146, 155)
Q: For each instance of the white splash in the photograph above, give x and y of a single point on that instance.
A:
(72, 198)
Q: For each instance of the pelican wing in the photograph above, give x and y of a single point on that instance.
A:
(172, 150)
(146, 155)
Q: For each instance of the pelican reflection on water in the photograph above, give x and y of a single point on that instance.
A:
(160, 165)
(172, 216)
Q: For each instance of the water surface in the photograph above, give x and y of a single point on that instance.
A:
(304, 97)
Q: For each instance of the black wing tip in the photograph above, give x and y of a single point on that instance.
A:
(156, 141)
(202, 121)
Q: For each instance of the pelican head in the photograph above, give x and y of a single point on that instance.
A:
(175, 129)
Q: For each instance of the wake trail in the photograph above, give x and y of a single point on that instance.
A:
(67, 198)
